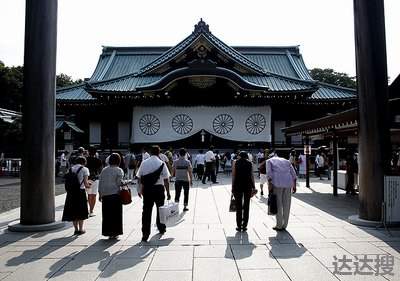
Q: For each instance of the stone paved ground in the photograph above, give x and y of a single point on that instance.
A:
(203, 244)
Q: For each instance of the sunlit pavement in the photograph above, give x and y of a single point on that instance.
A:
(202, 244)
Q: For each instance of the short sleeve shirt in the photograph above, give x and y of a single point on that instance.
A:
(181, 169)
(150, 165)
(82, 173)
(209, 157)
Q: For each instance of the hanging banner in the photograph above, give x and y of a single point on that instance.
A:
(170, 123)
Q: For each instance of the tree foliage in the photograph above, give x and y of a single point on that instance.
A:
(63, 80)
(11, 83)
(330, 76)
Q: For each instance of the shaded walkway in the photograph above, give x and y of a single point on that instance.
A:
(203, 243)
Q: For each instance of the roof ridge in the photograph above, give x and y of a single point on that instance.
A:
(201, 28)
(312, 82)
(249, 63)
(61, 89)
(292, 63)
(335, 86)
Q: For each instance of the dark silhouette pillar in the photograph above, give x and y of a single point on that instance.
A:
(38, 159)
(372, 83)
(335, 164)
(307, 142)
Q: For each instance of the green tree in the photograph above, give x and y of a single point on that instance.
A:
(64, 80)
(11, 85)
(11, 81)
(330, 76)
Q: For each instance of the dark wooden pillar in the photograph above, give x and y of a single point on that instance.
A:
(37, 178)
(335, 165)
(307, 142)
(372, 90)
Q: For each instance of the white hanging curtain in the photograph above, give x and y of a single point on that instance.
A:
(170, 123)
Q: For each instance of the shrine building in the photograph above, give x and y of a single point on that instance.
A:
(197, 93)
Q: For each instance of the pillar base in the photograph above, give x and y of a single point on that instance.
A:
(17, 227)
(355, 219)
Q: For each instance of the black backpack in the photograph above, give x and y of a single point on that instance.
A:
(72, 182)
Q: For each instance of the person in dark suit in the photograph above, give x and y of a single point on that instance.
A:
(242, 188)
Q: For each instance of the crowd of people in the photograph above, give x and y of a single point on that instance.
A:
(153, 171)
(87, 176)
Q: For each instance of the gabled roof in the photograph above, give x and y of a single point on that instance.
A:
(132, 70)
(139, 82)
(118, 61)
(202, 32)
(62, 124)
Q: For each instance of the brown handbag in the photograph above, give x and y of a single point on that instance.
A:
(125, 194)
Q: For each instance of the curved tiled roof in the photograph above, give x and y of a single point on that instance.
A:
(74, 94)
(275, 69)
(134, 82)
(330, 92)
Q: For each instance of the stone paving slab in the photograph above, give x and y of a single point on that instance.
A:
(126, 269)
(202, 244)
(73, 276)
(168, 276)
(305, 268)
(218, 269)
(264, 274)
(172, 260)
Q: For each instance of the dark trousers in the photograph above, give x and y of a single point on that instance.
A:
(350, 182)
(200, 171)
(178, 188)
(210, 171)
(242, 200)
(152, 195)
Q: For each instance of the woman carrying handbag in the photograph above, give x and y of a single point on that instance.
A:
(243, 189)
(109, 194)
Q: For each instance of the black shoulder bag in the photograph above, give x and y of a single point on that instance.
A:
(151, 178)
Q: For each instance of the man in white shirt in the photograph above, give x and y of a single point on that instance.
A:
(153, 176)
(210, 166)
(145, 154)
(199, 164)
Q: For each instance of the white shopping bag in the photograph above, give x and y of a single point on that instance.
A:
(168, 212)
